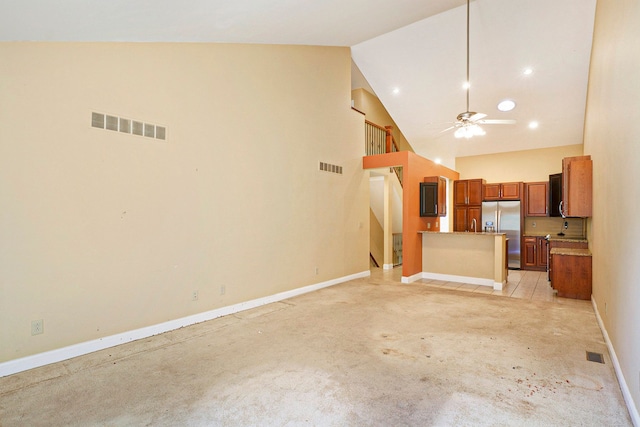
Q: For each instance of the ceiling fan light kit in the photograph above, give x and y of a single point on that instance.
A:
(469, 131)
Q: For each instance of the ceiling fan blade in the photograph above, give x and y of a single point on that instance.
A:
(477, 116)
(497, 122)
(447, 129)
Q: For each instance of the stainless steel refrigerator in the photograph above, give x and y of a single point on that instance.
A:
(504, 217)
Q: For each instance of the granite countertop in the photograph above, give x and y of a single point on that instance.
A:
(570, 251)
(480, 233)
(556, 238)
(568, 239)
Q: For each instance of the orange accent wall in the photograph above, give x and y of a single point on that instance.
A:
(415, 169)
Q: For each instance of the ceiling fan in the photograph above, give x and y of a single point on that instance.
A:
(468, 123)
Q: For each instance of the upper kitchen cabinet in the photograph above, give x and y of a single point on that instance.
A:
(503, 191)
(468, 192)
(555, 194)
(441, 199)
(428, 199)
(577, 181)
(536, 195)
(467, 218)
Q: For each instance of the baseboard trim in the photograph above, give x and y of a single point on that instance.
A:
(626, 393)
(462, 279)
(410, 279)
(387, 266)
(58, 355)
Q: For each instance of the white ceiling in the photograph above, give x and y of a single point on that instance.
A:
(416, 46)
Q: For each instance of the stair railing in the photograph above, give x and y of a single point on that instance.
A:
(380, 140)
(397, 249)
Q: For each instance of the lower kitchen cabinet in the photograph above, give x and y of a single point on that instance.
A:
(534, 253)
(542, 244)
(571, 273)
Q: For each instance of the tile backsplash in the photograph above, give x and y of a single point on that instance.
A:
(541, 226)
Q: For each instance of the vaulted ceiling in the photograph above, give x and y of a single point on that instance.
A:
(412, 53)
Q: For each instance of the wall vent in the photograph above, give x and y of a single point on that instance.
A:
(328, 167)
(124, 125)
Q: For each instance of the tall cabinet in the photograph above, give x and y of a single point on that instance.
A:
(577, 178)
(467, 205)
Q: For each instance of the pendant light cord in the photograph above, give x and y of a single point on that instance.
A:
(468, 81)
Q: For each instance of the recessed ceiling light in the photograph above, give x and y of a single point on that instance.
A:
(506, 105)
(396, 91)
(466, 85)
(438, 160)
(527, 71)
(533, 125)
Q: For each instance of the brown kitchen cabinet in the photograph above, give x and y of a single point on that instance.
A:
(577, 183)
(468, 192)
(542, 244)
(467, 197)
(503, 191)
(571, 273)
(442, 193)
(536, 197)
(529, 253)
(560, 243)
(534, 253)
(463, 217)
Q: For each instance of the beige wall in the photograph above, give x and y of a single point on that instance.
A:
(102, 232)
(376, 239)
(375, 112)
(526, 166)
(611, 138)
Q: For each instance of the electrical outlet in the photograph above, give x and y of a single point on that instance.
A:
(428, 225)
(37, 327)
(533, 224)
(223, 289)
(194, 296)
(566, 225)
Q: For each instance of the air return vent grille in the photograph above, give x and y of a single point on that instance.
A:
(327, 167)
(135, 127)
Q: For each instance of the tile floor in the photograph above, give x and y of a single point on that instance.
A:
(522, 284)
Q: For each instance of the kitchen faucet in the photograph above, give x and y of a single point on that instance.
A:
(473, 225)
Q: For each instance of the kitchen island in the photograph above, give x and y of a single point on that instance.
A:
(465, 257)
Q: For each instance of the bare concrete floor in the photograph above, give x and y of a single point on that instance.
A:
(367, 352)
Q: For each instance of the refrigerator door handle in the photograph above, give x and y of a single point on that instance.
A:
(499, 213)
